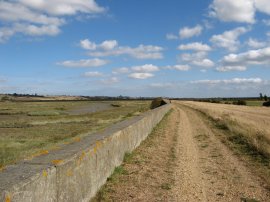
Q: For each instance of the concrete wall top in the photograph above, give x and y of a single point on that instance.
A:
(16, 178)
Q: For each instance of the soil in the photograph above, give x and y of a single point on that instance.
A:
(185, 160)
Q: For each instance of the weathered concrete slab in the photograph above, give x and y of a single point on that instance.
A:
(76, 171)
(24, 182)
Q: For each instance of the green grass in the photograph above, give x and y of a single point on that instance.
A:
(27, 128)
(254, 103)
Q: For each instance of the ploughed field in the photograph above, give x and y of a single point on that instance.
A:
(29, 129)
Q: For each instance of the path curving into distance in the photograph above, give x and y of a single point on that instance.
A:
(185, 159)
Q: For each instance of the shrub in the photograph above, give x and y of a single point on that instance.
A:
(266, 104)
(240, 102)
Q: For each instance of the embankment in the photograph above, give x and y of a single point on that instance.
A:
(76, 171)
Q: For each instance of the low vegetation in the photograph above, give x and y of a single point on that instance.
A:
(245, 140)
(142, 175)
(30, 128)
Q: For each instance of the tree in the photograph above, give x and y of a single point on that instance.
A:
(261, 96)
(265, 97)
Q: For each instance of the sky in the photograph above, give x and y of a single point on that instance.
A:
(187, 48)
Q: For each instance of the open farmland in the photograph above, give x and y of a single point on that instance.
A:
(29, 129)
(199, 152)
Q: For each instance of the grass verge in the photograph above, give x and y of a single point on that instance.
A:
(137, 174)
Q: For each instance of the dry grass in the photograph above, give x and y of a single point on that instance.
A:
(146, 173)
(27, 128)
(245, 131)
(244, 119)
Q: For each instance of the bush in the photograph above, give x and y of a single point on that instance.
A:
(240, 102)
(158, 102)
(215, 101)
(266, 104)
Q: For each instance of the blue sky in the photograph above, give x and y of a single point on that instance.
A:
(187, 48)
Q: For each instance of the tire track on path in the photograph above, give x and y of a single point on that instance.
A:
(206, 169)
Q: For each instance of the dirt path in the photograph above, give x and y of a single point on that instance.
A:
(207, 170)
(184, 160)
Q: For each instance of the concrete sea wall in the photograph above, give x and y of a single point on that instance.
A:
(75, 172)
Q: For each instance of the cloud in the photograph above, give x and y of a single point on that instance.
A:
(263, 6)
(254, 43)
(233, 11)
(230, 81)
(108, 44)
(199, 59)
(60, 7)
(203, 63)
(122, 70)
(252, 57)
(171, 37)
(111, 48)
(178, 67)
(145, 68)
(83, 63)
(88, 45)
(93, 74)
(140, 75)
(229, 39)
(196, 46)
(188, 32)
(41, 17)
(231, 68)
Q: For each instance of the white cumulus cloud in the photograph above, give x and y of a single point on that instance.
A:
(188, 32)
(229, 39)
(111, 48)
(139, 75)
(231, 68)
(263, 6)
(254, 43)
(83, 63)
(251, 57)
(178, 67)
(40, 17)
(196, 46)
(233, 10)
(199, 59)
(145, 68)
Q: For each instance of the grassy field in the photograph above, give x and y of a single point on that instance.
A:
(254, 103)
(28, 129)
